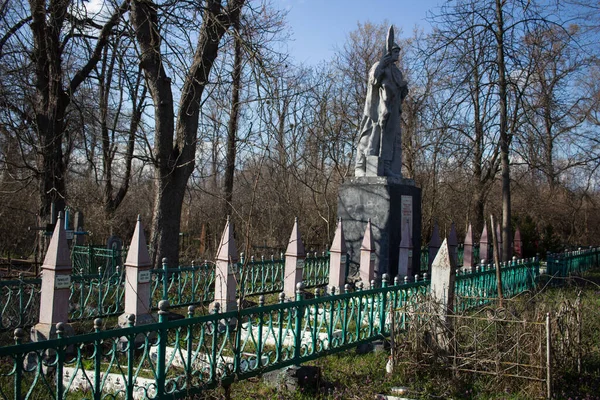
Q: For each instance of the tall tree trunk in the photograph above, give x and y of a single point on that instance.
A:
(50, 101)
(175, 148)
(168, 191)
(478, 210)
(504, 136)
(232, 128)
(52, 96)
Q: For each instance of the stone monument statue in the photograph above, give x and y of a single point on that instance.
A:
(379, 147)
(378, 192)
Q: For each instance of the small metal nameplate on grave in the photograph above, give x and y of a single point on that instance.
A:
(300, 263)
(62, 282)
(70, 234)
(343, 259)
(232, 268)
(373, 256)
(144, 276)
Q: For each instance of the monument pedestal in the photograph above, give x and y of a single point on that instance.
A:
(388, 202)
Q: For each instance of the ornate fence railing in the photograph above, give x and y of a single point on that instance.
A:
(180, 358)
(183, 286)
(99, 294)
(460, 251)
(91, 259)
(102, 295)
(316, 270)
(477, 286)
(20, 303)
(183, 357)
(261, 275)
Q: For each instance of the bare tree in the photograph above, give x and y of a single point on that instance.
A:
(504, 24)
(48, 49)
(176, 135)
(555, 106)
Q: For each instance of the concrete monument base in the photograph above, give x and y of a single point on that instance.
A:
(388, 202)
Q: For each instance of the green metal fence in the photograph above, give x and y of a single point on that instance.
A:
(460, 250)
(91, 259)
(20, 303)
(181, 358)
(194, 285)
(316, 270)
(262, 275)
(102, 295)
(562, 265)
(474, 288)
(99, 294)
(183, 286)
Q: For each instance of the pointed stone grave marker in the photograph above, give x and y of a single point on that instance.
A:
(405, 257)
(337, 260)
(367, 256)
(226, 273)
(295, 255)
(138, 280)
(56, 286)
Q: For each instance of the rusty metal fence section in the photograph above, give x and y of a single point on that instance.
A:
(489, 340)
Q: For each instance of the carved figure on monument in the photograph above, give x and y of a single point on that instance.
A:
(379, 150)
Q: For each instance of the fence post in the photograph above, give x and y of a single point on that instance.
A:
(347, 301)
(468, 248)
(226, 271)
(188, 365)
(484, 244)
(518, 243)
(280, 329)
(60, 361)
(130, 358)
(97, 359)
(384, 283)
(442, 287)
(165, 271)
(259, 345)
(163, 305)
(298, 322)
(19, 334)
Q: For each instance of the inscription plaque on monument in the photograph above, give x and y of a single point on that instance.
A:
(144, 276)
(62, 281)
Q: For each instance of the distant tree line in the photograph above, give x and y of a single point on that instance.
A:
(185, 112)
